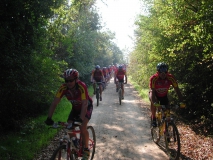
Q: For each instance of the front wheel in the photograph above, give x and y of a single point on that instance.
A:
(172, 141)
(97, 96)
(60, 153)
(92, 141)
(120, 95)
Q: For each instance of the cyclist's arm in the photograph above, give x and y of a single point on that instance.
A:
(125, 77)
(153, 96)
(180, 97)
(53, 106)
(92, 78)
(84, 108)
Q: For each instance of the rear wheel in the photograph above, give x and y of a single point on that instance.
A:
(92, 141)
(172, 141)
(60, 153)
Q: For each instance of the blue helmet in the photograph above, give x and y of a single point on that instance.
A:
(120, 67)
(162, 67)
(97, 67)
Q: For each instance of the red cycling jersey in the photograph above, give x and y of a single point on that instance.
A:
(79, 94)
(120, 74)
(97, 75)
(162, 85)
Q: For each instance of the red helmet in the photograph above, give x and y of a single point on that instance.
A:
(71, 73)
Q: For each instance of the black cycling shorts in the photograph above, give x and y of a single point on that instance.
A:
(121, 80)
(75, 114)
(163, 100)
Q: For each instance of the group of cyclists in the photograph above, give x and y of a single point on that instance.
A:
(82, 105)
(103, 75)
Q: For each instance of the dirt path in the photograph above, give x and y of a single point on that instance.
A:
(123, 131)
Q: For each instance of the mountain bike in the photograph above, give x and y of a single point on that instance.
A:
(120, 91)
(167, 128)
(67, 150)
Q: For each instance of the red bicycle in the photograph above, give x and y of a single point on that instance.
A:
(67, 150)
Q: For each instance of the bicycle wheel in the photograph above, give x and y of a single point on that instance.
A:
(97, 95)
(120, 95)
(92, 141)
(172, 141)
(60, 153)
(155, 132)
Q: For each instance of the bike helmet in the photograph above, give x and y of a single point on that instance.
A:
(162, 67)
(120, 67)
(71, 73)
(97, 67)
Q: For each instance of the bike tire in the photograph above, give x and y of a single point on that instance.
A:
(60, 153)
(97, 96)
(120, 95)
(92, 141)
(172, 141)
(155, 133)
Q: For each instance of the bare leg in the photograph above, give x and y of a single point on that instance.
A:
(84, 132)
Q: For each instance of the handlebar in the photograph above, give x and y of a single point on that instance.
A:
(170, 106)
(65, 125)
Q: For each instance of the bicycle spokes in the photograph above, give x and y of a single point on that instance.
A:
(172, 141)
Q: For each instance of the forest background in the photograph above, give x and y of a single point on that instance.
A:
(40, 39)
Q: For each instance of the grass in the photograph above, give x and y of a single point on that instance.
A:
(143, 93)
(34, 135)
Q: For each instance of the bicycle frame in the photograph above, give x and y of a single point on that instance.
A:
(67, 145)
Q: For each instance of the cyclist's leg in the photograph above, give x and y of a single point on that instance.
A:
(94, 86)
(101, 89)
(84, 131)
(116, 84)
(153, 110)
(122, 89)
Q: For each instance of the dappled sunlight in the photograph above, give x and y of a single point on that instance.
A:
(118, 128)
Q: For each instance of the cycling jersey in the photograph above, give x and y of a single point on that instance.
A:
(97, 75)
(162, 85)
(76, 96)
(105, 72)
(120, 74)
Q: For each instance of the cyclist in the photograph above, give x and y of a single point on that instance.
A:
(159, 85)
(119, 75)
(106, 74)
(97, 76)
(76, 92)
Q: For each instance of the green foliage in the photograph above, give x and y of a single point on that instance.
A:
(33, 136)
(180, 34)
(39, 40)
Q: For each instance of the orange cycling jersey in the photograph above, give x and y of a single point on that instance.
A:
(81, 93)
(162, 85)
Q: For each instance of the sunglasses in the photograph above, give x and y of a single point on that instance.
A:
(163, 72)
(71, 80)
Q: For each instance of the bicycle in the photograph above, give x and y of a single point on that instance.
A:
(167, 128)
(120, 91)
(67, 150)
